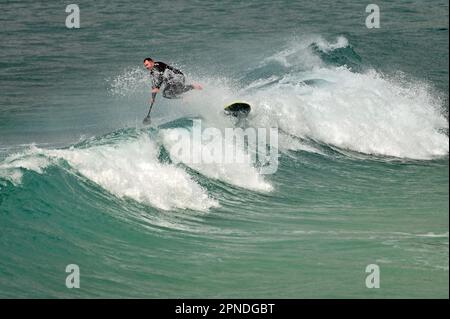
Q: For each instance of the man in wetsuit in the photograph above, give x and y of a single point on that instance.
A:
(172, 79)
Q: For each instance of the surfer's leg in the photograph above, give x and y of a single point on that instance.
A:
(176, 87)
(181, 87)
(187, 88)
(170, 91)
(174, 90)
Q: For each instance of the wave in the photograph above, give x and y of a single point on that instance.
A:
(132, 164)
(332, 103)
(320, 90)
(129, 169)
(318, 107)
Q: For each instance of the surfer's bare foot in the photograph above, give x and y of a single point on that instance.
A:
(197, 86)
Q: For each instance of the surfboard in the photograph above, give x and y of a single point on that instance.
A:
(237, 109)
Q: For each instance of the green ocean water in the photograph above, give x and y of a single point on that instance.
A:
(362, 178)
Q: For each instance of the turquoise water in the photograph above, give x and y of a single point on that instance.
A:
(363, 151)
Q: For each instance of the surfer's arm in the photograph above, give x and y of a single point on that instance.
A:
(157, 81)
(155, 90)
(152, 99)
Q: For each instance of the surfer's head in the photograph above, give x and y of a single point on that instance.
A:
(149, 63)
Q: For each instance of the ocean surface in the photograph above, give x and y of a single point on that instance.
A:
(363, 167)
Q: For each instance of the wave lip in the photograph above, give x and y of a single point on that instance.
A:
(12, 168)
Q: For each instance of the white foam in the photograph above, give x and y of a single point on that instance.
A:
(299, 53)
(240, 174)
(11, 168)
(325, 46)
(129, 169)
(367, 113)
(433, 235)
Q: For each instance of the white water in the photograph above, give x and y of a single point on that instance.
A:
(209, 164)
(367, 112)
(12, 167)
(127, 169)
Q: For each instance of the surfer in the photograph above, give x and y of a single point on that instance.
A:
(172, 79)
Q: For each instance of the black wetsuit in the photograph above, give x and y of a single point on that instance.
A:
(173, 80)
